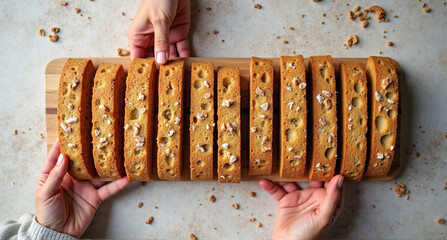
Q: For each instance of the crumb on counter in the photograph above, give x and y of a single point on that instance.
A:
(212, 198)
(235, 206)
(257, 6)
(149, 220)
(122, 52)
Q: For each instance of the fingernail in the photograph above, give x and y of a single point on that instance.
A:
(60, 159)
(340, 181)
(162, 57)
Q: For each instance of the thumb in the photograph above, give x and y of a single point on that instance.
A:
(161, 40)
(329, 203)
(54, 180)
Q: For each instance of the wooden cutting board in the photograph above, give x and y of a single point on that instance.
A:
(54, 69)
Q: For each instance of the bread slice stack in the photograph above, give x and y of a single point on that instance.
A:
(241, 124)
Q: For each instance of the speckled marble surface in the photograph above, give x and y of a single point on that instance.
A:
(183, 207)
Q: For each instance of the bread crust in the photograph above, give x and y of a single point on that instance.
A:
(170, 133)
(354, 104)
(293, 117)
(261, 116)
(324, 118)
(74, 116)
(107, 119)
(139, 119)
(383, 83)
(229, 123)
(201, 125)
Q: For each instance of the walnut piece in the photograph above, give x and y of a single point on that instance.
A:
(122, 52)
(352, 40)
(379, 12)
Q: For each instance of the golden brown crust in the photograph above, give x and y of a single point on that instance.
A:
(261, 116)
(384, 96)
(293, 111)
(324, 118)
(170, 107)
(139, 119)
(74, 117)
(354, 120)
(229, 122)
(202, 121)
(107, 119)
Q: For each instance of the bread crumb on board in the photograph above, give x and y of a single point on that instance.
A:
(41, 32)
(440, 220)
(252, 219)
(53, 38)
(401, 190)
(15, 131)
(215, 31)
(212, 198)
(257, 6)
(427, 10)
(235, 206)
(352, 40)
(389, 44)
(285, 42)
(373, 206)
(63, 3)
(77, 10)
(208, 8)
(252, 194)
(259, 224)
(192, 236)
(55, 29)
(122, 52)
(149, 220)
(140, 204)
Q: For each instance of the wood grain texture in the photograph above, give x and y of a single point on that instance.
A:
(54, 68)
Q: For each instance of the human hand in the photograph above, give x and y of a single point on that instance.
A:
(305, 213)
(160, 27)
(67, 205)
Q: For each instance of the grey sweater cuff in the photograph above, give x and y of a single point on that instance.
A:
(37, 231)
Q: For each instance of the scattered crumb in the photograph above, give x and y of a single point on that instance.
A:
(215, 31)
(269, 214)
(423, 5)
(285, 42)
(418, 154)
(231, 196)
(352, 40)
(444, 188)
(192, 236)
(365, 24)
(324, 15)
(41, 32)
(252, 194)
(380, 52)
(373, 206)
(291, 28)
(155, 207)
(401, 190)
(143, 183)
(322, 23)
(427, 10)
(15, 131)
(42, 136)
(293, 52)
(302, 15)
(88, 18)
(440, 220)
(123, 14)
(395, 16)
(223, 40)
(77, 10)
(55, 29)
(259, 224)
(432, 189)
(208, 8)
(389, 44)
(278, 37)
(212, 198)
(235, 206)
(122, 52)
(252, 219)
(149, 220)
(53, 38)
(379, 12)
(140, 205)
(257, 6)
(63, 3)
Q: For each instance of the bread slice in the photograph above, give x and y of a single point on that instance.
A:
(74, 115)
(139, 119)
(354, 120)
(202, 121)
(293, 117)
(324, 118)
(229, 123)
(261, 116)
(170, 108)
(384, 97)
(108, 118)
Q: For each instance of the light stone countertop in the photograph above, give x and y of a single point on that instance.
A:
(419, 46)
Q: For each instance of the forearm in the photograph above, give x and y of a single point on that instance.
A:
(28, 228)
